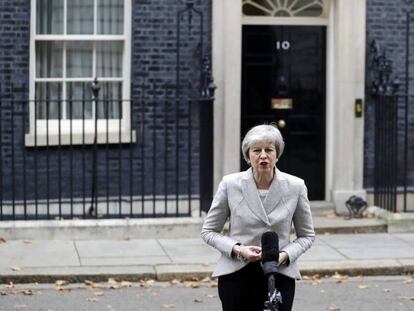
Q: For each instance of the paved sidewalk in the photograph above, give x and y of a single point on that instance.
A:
(166, 259)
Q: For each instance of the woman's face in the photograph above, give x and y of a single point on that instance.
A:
(263, 157)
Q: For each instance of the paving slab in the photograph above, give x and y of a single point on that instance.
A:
(117, 248)
(189, 251)
(39, 253)
(378, 240)
(406, 237)
(125, 261)
(322, 252)
(377, 252)
(339, 225)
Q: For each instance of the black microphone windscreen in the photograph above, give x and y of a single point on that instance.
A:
(270, 246)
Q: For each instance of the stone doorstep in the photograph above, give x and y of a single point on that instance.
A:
(193, 272)
(396, 222)
(182, 227)
(101, 229)
(149, 228)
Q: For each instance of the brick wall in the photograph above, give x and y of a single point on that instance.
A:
(158, 118)
(386, 23)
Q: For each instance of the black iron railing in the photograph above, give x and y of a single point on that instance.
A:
(392, 157)
(153, 162)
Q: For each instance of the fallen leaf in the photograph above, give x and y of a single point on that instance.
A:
(92, 284)
(387, 290)
(206, 264)
(146, 283)
(316, 277)
(340, 278)
(168, 306)
(331, 215)
(333, 308)
(27, 242)
(408, 281)
(27, 292)
(211, 295)
(99, 294)
(213, 284)
(93, 299)
(124, 238)
(205, 280)
(126, 284)
(406, 297)
(192, 285)
(62, 289)
(16, 269)
(2, 240)
(363, 286)
(114, 286)
(20, 306)
(10, 285)
(3, 293)
(306, 278)
(175, 282)
(61, 282)
(198, 300)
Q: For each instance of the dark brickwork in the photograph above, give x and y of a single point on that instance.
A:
(386, 23)
(166, 154)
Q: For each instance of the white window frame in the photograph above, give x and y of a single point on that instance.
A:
(78, 131)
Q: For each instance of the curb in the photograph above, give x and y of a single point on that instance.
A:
(167, 273)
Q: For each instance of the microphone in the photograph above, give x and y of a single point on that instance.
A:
(270, 252)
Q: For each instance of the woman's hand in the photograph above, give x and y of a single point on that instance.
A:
(250, 253)
(283, 257)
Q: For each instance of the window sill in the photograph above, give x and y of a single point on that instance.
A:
(76, 138)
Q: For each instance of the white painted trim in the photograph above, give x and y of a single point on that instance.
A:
(41, 139)
(330, 100)
(125, 122)
(344, 82)
(32, 65)
(80, 37)
(87, 79)
(297, 21)
(127, 64)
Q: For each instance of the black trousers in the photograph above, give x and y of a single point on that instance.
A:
(246, 289)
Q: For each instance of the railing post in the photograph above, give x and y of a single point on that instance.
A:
(383, 91)
(206, 137)
(93, 209)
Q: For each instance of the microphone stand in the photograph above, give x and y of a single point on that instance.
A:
(274, 296)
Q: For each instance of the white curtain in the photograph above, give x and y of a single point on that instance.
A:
(109, 59)
(79, 104)
(49, 59)
(109, 103)
(80, 17)
(49, 17)
(48, 99)
(79, 58)
(110, 17)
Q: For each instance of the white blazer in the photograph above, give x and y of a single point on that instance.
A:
(237, 199)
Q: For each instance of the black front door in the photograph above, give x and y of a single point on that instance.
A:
(283, 82)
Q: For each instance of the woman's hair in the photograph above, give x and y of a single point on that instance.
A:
(263, 133)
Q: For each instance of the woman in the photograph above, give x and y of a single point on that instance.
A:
(255, 201)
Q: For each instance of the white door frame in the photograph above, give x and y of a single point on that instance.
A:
(345, 78)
